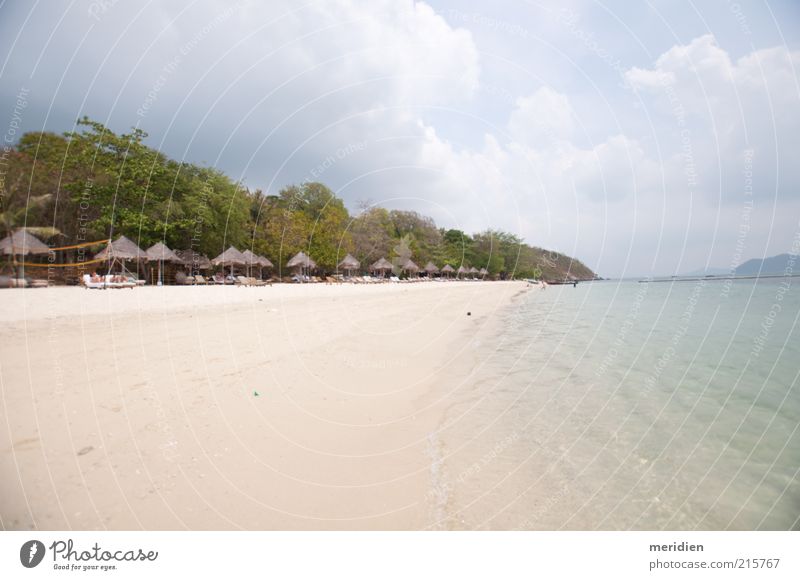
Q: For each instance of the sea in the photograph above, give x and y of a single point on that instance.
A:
(618, 405)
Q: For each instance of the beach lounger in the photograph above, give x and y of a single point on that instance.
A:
(107, 283)
(128, 283)
(87, 283)
(199, 279)
(242, 281)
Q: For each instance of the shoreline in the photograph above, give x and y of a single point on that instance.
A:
(284, 407)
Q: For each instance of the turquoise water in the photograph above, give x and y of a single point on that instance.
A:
(618, 405)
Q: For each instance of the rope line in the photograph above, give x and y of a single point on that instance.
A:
(72, 265)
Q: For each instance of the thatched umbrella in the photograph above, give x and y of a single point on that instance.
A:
(483, 272)
(383, 265)
(473, 271)
(301, 261)
(431, 269)
(21, 243)
(263, 263)
(122, 250)
(195, 260)
(250, 260)
(462, 270)
(230, 257)
(160, 253)
(448, 269)
(348, 264)
(410, 266)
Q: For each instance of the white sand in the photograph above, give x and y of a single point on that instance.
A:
(129, 409)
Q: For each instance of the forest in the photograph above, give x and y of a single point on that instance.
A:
(92, 184)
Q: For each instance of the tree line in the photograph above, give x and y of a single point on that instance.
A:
(91, 183)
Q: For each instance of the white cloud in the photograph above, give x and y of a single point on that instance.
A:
(270, 91)
(545, 117)
(729, 108)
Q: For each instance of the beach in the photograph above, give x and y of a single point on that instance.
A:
(280, 407)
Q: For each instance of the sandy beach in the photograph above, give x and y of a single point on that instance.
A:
(283, 407)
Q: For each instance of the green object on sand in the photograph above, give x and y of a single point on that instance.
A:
(256, 393)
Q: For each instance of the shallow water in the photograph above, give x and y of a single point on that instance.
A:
(619, 405)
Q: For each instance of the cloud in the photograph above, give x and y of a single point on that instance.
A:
(730, 110)
(362, 95)
(544, 117)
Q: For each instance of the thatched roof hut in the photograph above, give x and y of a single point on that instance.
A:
(264, 262)
(483, 271)
(194, 260)
(21, 243)
(381, 265)
(473, 270)
(230, 257)
(301, 260)
(250, 258)
(121, 249)
(349, 263)
(410, 266)
(448, 269)
(462, 270)
(159, 252)
(431, 268)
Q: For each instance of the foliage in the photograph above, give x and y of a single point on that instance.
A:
(92, 184)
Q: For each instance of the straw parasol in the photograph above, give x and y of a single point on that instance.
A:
(483, 271)
(473, 271)
(301, 261)
(382, 266)
(462, 270)
(349, 263)
(262, 263)
(448, 269)
(230, 257)
(21, 243)
(194, 260)
(250, 260)
(431, 268)
(121, 250)
(410, 266)
(160, 253)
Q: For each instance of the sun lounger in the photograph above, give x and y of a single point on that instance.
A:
(107, 282)
(87, 283)
(199, 279)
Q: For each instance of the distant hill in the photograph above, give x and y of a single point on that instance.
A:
(708, 272)
(772, 265)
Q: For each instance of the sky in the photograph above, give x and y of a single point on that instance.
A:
(648, 138)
